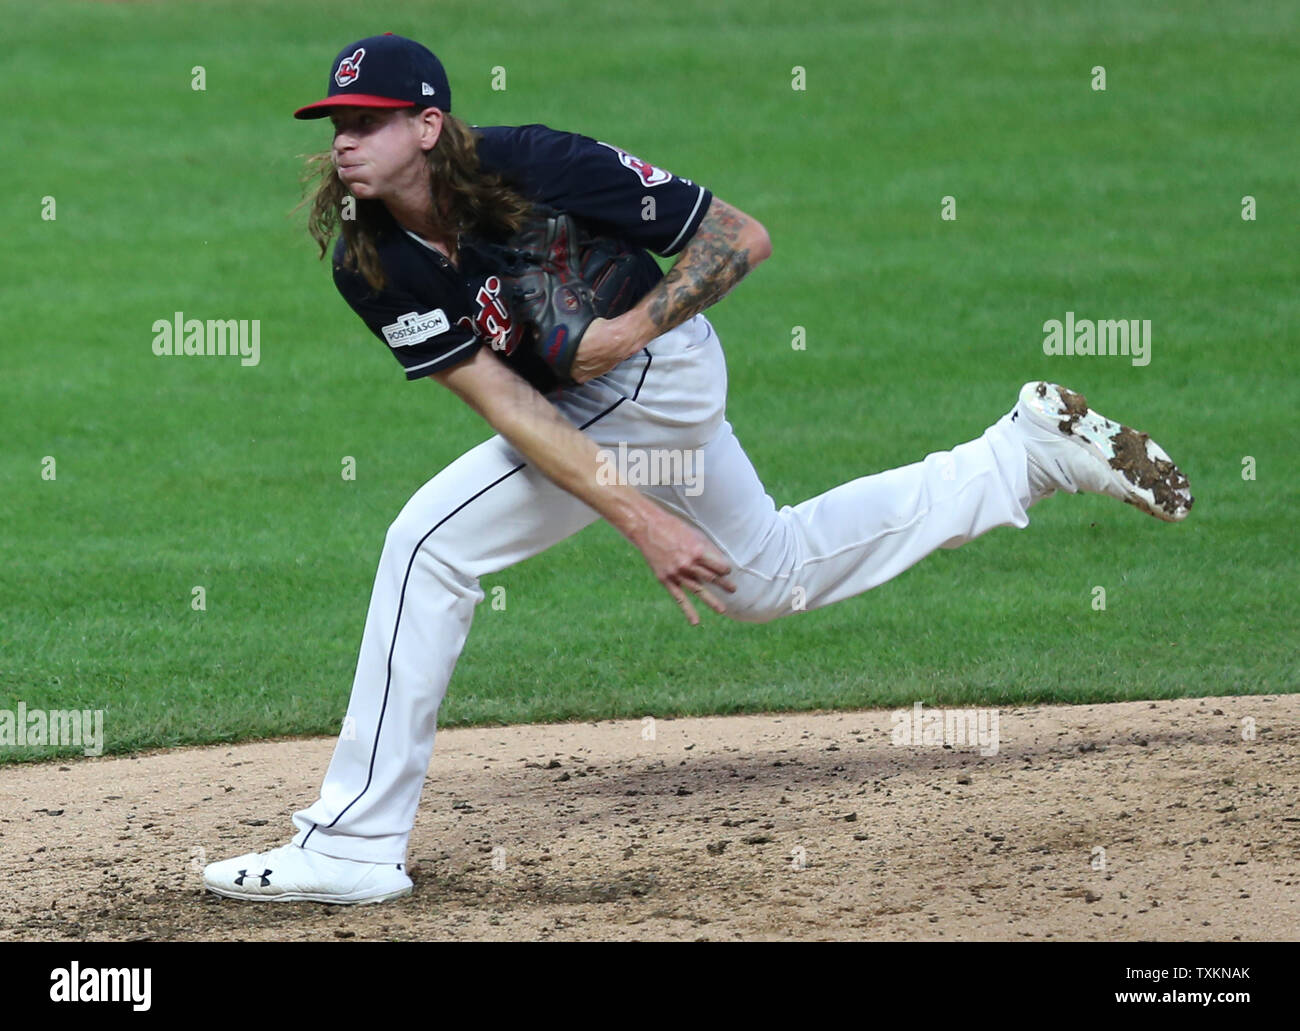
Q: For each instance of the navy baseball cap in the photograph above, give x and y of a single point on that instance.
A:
(383, 71)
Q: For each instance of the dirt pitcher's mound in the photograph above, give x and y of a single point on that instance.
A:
(1141, 820)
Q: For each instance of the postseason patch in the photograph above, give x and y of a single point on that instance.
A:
(415, 328)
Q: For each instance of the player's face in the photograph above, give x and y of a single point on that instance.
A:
(376, 151)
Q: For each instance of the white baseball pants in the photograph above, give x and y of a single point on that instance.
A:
(489, 509)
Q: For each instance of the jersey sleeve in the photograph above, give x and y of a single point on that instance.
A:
(424, 338)
(600, 182)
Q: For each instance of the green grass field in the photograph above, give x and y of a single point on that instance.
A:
(175, 473)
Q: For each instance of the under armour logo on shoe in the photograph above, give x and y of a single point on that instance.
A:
(265, 875)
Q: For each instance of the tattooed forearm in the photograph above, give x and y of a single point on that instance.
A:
(726, 246)
(715, 260)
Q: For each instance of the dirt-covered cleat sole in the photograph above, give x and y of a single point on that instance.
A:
(293, 874)
(1073, 448)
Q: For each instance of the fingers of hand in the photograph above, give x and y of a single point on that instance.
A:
(683, 603)
(717, 565)
(710, 600)
(696, 585)
(726, 583)
(712, 568)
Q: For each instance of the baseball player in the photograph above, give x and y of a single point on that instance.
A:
(419, 200)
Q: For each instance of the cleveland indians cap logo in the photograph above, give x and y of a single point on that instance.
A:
(350, 68)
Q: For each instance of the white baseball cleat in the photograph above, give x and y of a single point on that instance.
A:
(1073, 448)
(293, 874)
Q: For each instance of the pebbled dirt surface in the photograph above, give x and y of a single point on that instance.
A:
(1136, 821)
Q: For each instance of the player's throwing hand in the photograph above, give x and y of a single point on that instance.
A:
(683, 560)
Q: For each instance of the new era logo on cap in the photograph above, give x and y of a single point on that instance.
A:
(398, 72)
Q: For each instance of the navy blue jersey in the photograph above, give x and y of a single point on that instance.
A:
(433, 315)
